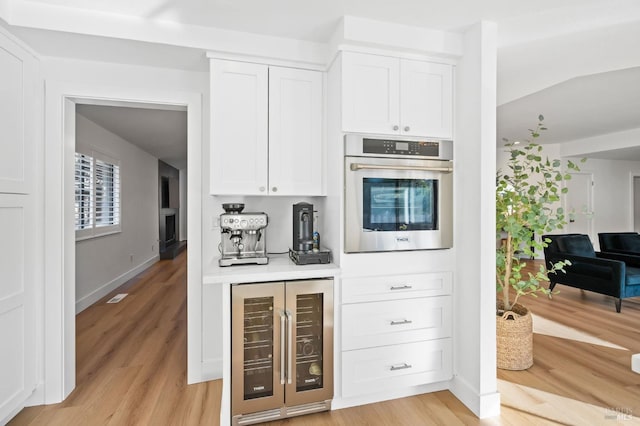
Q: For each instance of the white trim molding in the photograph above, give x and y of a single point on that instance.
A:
(59, 297)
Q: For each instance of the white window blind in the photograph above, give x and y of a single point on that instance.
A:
(97, 195)
(107, 194)
(84, 191)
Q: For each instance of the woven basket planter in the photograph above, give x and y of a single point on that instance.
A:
(514, 338)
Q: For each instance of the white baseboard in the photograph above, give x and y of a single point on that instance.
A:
(37, 397)
(91, 298)
(483, 406)
(339, 403)
(211, 369)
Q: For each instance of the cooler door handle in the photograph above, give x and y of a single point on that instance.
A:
(282, 346)
(290, 346)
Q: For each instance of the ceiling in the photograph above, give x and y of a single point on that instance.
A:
(578, 108)
(161, 133)
(315, 20)
(575, 107)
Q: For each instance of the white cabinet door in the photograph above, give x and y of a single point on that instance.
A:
(426, 95)
(239, 126)
(295, 132)
(371, 93)
(18, 200)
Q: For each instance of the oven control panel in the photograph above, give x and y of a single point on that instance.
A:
(397, 147)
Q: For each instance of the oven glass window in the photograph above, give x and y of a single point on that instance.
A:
(400, 204)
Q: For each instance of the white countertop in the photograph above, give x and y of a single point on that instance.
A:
(280, 267)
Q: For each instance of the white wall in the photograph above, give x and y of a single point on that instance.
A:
(106, 262)
(474, 381)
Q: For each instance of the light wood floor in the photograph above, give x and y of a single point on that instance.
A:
(131, 368)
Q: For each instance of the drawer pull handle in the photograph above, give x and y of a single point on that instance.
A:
(402, 287)
(402, 366)
(405, 321)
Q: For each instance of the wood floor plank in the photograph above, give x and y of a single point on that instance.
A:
(131, 367)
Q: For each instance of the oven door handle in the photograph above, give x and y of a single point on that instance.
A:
(360, 166)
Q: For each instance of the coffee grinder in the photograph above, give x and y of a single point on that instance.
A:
(306, 243)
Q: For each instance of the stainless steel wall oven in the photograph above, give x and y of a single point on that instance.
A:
(398, 194)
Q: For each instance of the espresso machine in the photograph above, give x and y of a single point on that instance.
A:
(243, 236)
(306, 240)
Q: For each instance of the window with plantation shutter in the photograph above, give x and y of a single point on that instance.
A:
(97, 195)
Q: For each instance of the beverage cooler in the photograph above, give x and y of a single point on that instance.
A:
(281, 349)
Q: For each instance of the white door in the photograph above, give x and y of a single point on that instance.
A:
(426, 99)
(19, 256)
(239, 128)
(579, 204)
(295, 132)
(370, 94)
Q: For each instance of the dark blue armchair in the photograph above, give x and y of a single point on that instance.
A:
(620, 242)
(600, 272)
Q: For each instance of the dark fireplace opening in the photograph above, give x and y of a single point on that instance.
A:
(170, 229)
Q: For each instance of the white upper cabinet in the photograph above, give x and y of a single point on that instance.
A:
(396, 96)
(295, 132)
(266, 130)
(370, 93)
(239, 126)
(426, 99)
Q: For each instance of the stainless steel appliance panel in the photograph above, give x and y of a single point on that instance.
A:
(282, 349)
(410, 228)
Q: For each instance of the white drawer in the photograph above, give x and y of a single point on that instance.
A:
(395, 321)
(371, 289)
(378, 369)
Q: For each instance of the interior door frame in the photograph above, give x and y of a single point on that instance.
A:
(59, 247)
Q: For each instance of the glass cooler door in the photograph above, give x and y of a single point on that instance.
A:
(256, 340)
(310, 329)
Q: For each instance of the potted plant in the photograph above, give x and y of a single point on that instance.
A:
(527, 205)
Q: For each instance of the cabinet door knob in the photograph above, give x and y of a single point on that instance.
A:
(407, 128)
(396, 127)
(262, 188)
(274, 189)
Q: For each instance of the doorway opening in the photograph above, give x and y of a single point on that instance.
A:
(119, 199)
